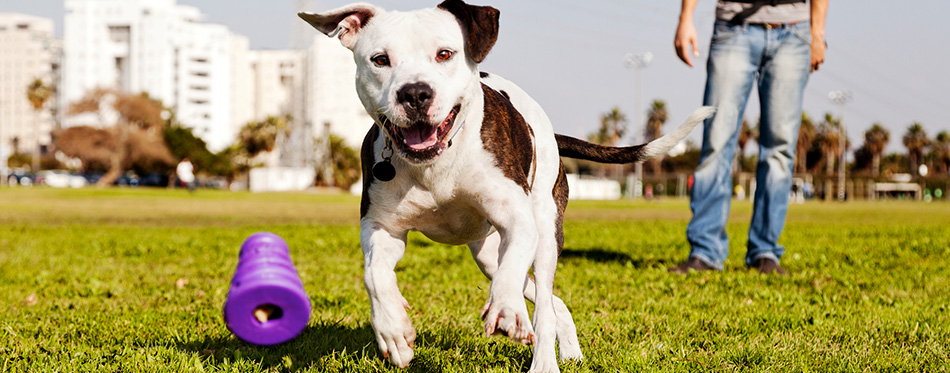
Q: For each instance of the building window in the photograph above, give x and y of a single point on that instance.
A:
(120, 34)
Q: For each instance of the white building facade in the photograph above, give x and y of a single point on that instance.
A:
(156, 47)
(206, 74)
(333, 104)
(28, 51)
(278, 83)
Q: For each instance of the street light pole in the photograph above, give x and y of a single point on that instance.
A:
(841, 98)
(638, 62)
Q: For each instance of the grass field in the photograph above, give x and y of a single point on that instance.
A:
(123, 280)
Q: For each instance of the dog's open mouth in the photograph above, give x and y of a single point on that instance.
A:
(421, 141)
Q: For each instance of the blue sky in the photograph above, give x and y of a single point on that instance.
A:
(892, 56)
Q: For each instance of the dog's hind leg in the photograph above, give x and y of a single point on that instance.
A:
(545, 264)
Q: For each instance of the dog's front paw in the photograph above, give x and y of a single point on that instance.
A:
(506, 320)
(396, 343)
(548, 366)
(394, 333)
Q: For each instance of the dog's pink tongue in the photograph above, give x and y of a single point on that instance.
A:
(420, 137)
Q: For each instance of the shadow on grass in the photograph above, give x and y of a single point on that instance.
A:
(599, 255)
(354, 349)
(313, 344)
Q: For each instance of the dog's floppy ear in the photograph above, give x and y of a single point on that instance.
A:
(345, 22)
(479, 25)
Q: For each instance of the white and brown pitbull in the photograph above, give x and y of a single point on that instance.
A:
(475, 162)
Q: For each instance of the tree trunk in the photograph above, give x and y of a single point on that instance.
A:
(35, 162)
(117, 162)
(875, 165)
(829, 163)
(913, 163)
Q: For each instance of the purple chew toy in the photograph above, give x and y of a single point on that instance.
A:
(266, 303)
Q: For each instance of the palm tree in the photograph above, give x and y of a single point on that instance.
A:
(38, 93)
(941, 146)
(875, 140)
(746, 134)
(806, 135)
(613, 125)
(915, 139)
(829, 138)
(656, 117)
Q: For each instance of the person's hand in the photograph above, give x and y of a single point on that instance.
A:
(817, 52)
(687, 39)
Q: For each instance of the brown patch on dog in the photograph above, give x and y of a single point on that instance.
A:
(479, 24)
(368, 160)
(507, 137)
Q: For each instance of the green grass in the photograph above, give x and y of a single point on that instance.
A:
(123, 280)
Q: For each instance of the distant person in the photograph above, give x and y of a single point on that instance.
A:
(186, 174)
(773, 44)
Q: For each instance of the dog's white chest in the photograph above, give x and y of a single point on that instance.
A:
(453, 220)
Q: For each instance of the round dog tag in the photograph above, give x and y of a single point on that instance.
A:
(384, 171)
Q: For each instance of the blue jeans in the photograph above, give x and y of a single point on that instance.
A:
(778, 60)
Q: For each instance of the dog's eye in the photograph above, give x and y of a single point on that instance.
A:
(381, 60)
(444, 55)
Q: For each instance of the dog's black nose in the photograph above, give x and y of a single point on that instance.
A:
(417, 96)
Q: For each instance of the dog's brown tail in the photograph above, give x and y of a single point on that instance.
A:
(576, 148)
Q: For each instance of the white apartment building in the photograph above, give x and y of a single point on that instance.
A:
(317, 88)
(28, 51)
(278, 78)
(206, 74)
(333, 104)
(157, 47)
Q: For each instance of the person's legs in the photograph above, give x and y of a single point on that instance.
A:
(781, 87)
(731, 69)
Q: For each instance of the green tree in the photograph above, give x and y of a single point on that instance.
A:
(253, 139)
(344, 164)
(806, 137)
(875, 141)
(747, 134)
(941, 147)
(134, 139)
(38, 93)
(261, 137)
(613, 126)
(656, 116)
(916, 141)
(829, 141)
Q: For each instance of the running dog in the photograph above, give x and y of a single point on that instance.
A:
(466, 158)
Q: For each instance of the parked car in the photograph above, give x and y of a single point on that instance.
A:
(126, 179)
(154, 179)
(19, 177)
(60, 179)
